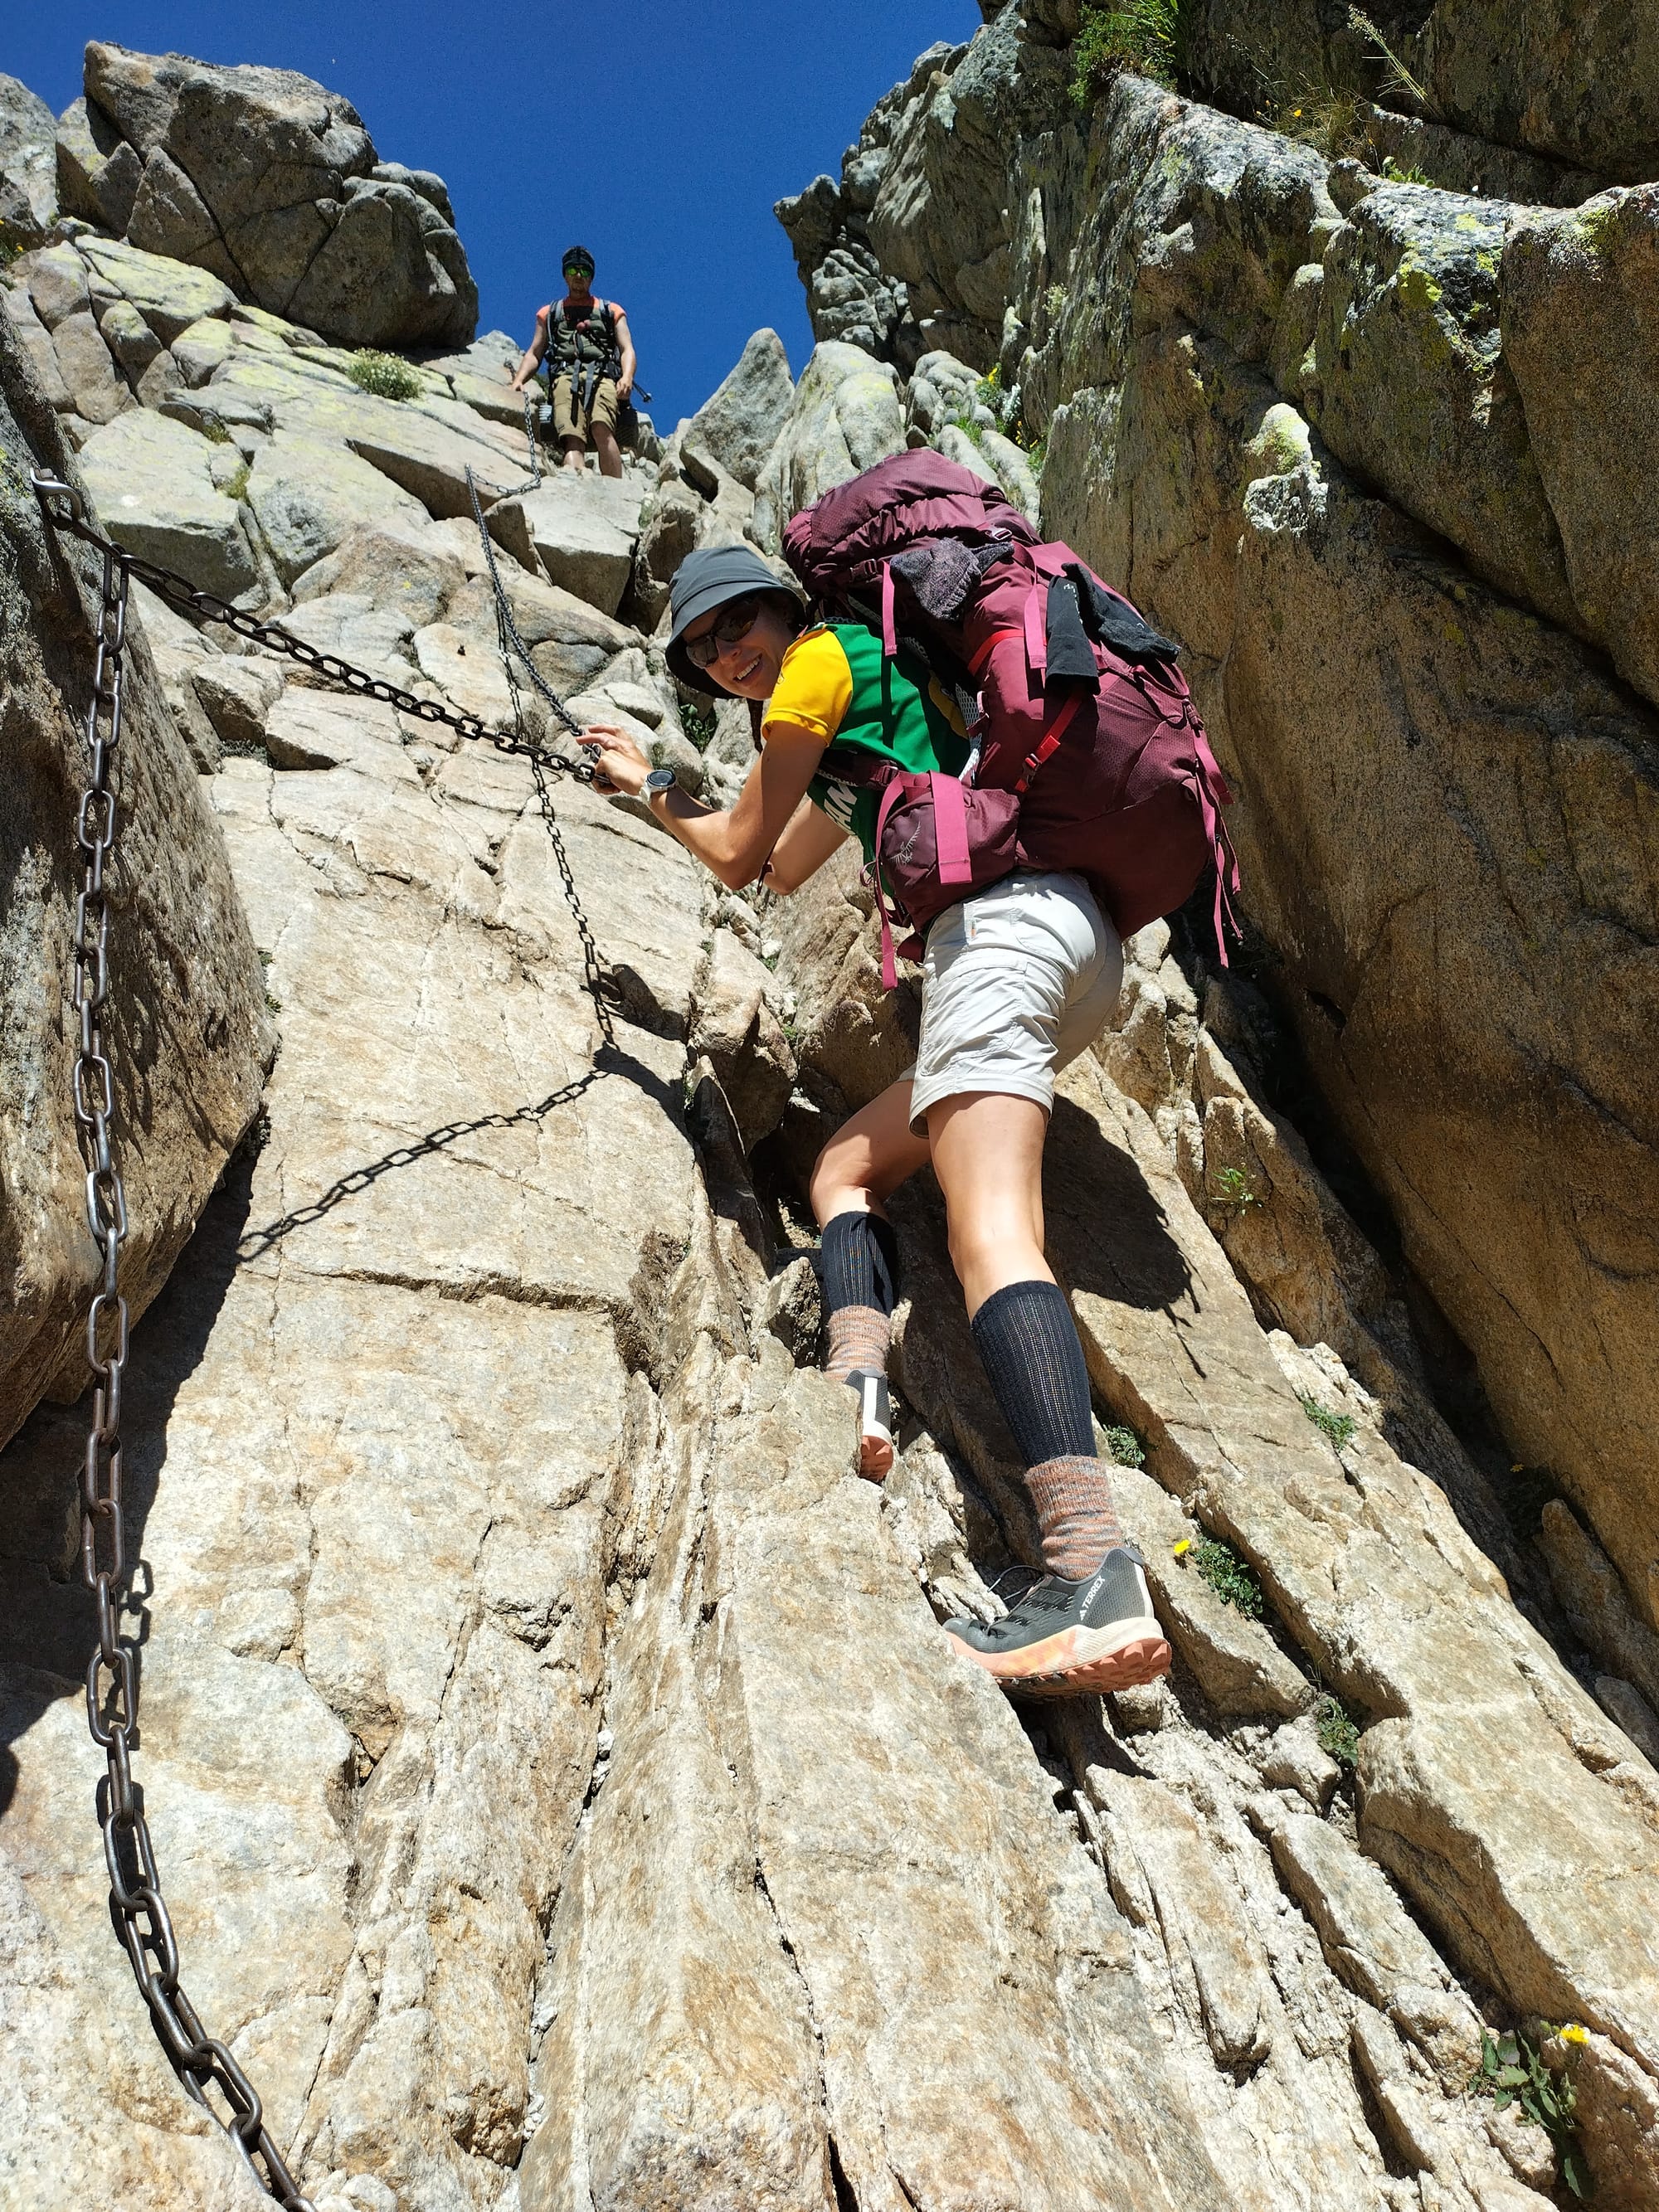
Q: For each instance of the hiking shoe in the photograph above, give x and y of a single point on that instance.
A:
(875, 1423)
(1073, 1640)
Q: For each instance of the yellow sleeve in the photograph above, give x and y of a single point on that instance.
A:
(814, 687)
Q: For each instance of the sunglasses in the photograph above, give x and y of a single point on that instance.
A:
(734, 623)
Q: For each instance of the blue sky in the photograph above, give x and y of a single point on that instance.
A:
(657, 135)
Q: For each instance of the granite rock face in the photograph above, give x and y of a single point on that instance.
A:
(29, 185)
(273, 183)
(564, 1793)
(186, 1019)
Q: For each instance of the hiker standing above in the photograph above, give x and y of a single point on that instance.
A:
(1018, 980)
(591, 363)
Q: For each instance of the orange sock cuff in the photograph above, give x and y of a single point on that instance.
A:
(1076, 1516)
(858, 1337)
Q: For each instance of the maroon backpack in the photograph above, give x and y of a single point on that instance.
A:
(1088, 753)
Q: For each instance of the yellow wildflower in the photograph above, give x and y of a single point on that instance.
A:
(1574, 2035)
(1185, 1545)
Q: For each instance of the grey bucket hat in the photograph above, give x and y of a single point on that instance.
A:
(706, 579)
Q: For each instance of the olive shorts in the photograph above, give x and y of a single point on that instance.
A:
(572, 419)
(1017, 981)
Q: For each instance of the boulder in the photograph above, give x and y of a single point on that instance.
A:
(1581, 313)
(186, 1022)
(846, 415)
(28, 164)
(1579, 84)
(735, 1023)
(738, 425)
(98, 172)
(272, 183)
(154, 483)
(579, 531)
(308, 495)
(1411, 383)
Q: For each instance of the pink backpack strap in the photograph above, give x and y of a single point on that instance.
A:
(889, 962)
(1211, 785)
(889, 623)
(1036, 637)
(951, 829)
(1049, 742)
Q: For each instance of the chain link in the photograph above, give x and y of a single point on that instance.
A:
(205, 2066)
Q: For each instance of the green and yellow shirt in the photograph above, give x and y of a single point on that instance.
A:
(836, 684)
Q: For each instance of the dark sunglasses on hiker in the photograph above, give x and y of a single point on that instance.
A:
(734, 623)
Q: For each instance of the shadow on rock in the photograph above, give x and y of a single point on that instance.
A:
(47, 1623)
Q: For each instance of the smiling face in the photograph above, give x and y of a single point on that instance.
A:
(748, 666)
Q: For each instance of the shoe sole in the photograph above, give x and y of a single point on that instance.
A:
(1080, 1663)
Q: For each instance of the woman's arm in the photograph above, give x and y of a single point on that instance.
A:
(736, 844)
(811, 837)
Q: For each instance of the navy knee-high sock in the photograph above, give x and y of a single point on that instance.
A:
(1028, 1341)
(860, 1289)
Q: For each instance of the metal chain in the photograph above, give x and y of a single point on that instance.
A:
(179, 592)
(201, 2061)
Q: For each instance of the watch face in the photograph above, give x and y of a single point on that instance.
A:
(660, 779)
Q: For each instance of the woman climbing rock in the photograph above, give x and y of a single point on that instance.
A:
(1018, 980)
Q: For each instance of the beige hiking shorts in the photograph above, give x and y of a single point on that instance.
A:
(1015, 982)
(572, 419)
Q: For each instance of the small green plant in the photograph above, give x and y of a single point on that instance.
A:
(1339, 1428)
(1126, 1447)
(1037, 455)
(1147, 36)
(698, 721)
(1337, 1731)
(214, 431)
(1232, 1579)
(383, 375)
(234, 486)
(1232, 1188)
(1404, 172)
(1512, 2071)
(1053, 300)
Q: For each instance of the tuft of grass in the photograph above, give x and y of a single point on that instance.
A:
(1147, 36)
(383, 375)
(1037, 455)
(1404, 173)
(1126, 1447)
(1396, 78)
(1054, 301)
(1232, 1578)
(1512, 2071)
(1336, 1729)
(235, 487)
(1337, 1428)
(1332, 122)
(214, 431)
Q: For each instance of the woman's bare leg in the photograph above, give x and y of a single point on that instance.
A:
(1090, 1628)
(988, 1155)
(868, 1157)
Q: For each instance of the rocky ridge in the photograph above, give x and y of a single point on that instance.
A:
(564, 1794)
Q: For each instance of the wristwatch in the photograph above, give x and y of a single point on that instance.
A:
(660, 779)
